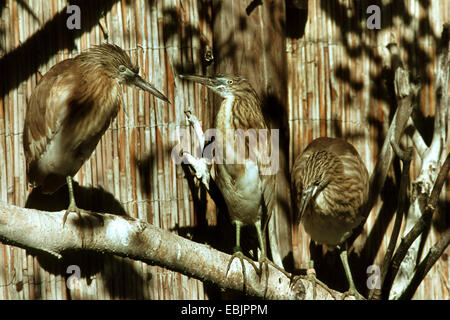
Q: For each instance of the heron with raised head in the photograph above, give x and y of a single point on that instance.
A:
(249, 192)
(330, 187)
(69, 111)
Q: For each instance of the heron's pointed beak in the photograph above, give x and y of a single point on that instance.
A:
(307, 195)
(210, 82)
(144, 85)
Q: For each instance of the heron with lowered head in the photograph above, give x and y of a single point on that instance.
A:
(330, 188)
(69, 111)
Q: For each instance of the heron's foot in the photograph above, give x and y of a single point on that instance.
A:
(311, 276)
(239, 255)
(264, 269)
(353, 292)
(267, 261)
(73, 208)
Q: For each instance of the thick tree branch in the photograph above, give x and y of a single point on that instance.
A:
(136, 239)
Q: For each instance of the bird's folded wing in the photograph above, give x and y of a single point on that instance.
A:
(268, 185)
(47, 109)
(268, 188)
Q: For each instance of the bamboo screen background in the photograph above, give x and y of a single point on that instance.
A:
(334, 88)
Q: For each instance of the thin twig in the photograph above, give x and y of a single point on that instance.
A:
(402, 207)
(440, 180)
(416, 138)
(405, 156)
(426, 264)
(420, 225)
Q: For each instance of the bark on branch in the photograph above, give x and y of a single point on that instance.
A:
(416, 222)
(419, 226)
(422, 269)
(402, 208)
(136, 239)
(423, 188)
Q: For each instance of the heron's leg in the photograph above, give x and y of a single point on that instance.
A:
(238, 254)
(263, 261)
(263, 258)
(238, 237)
(260, 238)
(72, 204)
(352, 290)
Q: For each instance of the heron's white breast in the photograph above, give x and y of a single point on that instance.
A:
(241, 190)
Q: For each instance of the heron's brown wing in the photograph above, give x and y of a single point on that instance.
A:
(296, 180)
(353, 166)
(247, 116)
(267, 169)
(268, 188)
(46, 110)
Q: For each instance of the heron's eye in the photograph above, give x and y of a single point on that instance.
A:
(122, 68)
(230, 81)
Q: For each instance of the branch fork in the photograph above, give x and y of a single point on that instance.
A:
(201, 166)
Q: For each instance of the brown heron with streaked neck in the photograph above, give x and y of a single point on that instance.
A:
(331, 186)
(248, 193)
(69, 111)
